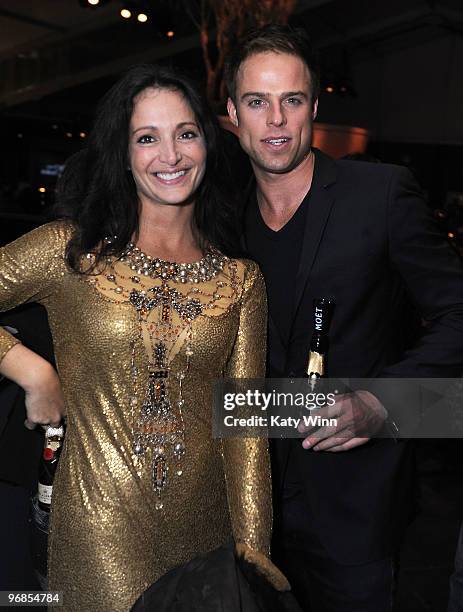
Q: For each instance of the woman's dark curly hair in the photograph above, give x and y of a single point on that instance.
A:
(98, 195)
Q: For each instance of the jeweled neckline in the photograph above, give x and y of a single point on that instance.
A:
(197, 271)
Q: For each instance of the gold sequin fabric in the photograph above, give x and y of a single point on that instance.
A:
(107, 541)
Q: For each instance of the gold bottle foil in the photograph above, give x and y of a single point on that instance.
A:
(316, 364)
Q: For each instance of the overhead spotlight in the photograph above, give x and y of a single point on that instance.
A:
(329, 89)
(130, 9)
(42, 189)
(170, 34)
(92, 3)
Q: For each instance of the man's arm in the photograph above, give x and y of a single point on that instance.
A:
(433, 275)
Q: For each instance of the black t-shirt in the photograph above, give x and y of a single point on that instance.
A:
(278, 254)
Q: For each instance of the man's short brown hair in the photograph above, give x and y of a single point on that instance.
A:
(276, 39)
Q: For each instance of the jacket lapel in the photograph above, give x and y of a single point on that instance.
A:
(320, 205)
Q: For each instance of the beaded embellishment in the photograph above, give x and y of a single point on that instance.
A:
(157, 420)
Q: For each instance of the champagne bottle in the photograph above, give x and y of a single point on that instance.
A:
(48, 464)
(322, 315)
(41, 503)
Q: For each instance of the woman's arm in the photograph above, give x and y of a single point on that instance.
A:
(30, 270)
(247, 461)
(44, 398)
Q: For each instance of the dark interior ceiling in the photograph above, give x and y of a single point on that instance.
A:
(57, 57)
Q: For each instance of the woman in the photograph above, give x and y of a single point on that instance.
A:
(139, 338)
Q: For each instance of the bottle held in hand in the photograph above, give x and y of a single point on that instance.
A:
(41, 502)
(322, 315)
(48, 465)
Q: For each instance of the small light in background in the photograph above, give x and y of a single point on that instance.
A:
(68, 134)
(54, 126)
(42, 189)
(19, 135)
(451, 235)
(125, 13)
(170, 34)
(82, 134)
(329, 89)
(91, 4)
(142, 17)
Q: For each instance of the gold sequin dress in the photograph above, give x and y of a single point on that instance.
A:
(108, 542)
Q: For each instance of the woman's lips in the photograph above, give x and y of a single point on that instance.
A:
(171, 178)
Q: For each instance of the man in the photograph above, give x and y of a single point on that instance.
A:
(358, 234)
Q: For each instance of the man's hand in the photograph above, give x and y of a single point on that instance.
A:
(360, 415)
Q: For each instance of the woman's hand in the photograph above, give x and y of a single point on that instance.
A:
(38, 378)
(44, 399)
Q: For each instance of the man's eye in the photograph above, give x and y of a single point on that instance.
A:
(294, 101)
(256, 102)
(145, 139)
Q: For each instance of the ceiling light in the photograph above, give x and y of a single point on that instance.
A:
(42, 189)
(329, 89)
(125, 13)
(170, 34)
(142, 17)
(93, 3)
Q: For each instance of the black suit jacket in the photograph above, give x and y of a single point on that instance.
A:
(370, 245)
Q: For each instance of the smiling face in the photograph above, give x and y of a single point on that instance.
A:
(167, 151)
(273, 111)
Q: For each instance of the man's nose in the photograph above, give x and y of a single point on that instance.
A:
(276, 115)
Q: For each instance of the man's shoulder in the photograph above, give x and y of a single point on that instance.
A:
(347, 174)
(368, 171)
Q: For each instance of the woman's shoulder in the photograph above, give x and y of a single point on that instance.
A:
(54, 234)
(248, 271)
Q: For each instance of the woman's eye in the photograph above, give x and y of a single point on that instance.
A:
(188, 135)
(145, 139)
